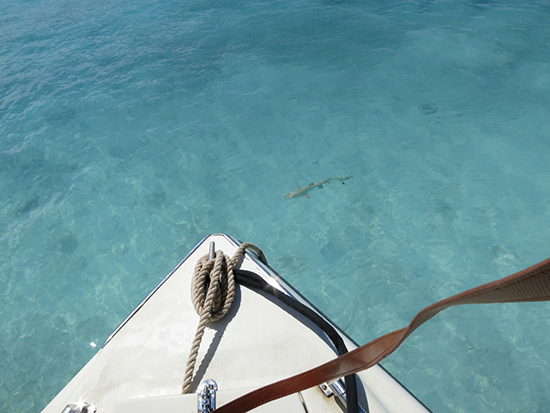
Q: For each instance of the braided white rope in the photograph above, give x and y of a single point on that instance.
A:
(212, 293)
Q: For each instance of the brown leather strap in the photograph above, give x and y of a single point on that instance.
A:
(531, 284)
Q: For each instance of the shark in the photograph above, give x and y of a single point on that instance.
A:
(304, 191)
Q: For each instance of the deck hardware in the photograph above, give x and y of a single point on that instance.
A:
(80, 407)
(326, 389)
(206, 396)
(337, 389)
(212, 251)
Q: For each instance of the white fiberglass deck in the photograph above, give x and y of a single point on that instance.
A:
(141, 367)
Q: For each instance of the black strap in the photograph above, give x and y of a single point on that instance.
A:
(254, 281)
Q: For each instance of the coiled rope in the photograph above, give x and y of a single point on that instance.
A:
(212, 293)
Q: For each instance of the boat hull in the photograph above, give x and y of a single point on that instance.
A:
(142, 364)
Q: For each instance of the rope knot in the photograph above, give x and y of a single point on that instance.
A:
(212, 293)
(213, 287)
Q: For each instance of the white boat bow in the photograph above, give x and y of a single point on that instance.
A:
(141, 366)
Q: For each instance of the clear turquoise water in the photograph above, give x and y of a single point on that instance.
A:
(129, 130)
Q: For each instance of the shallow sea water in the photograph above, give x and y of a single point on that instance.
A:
(130, 130)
